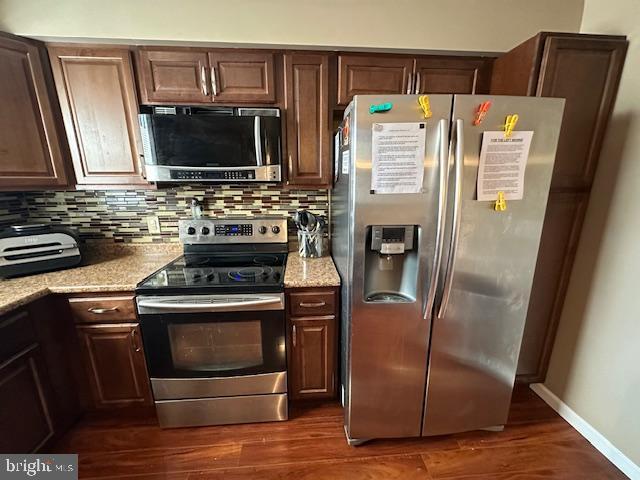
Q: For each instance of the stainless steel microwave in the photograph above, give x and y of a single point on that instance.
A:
(211, 144)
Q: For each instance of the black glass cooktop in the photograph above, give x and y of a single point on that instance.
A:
(230, 272)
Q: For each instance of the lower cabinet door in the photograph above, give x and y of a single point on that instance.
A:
(115, 366)
(312, 362)
(25, 421)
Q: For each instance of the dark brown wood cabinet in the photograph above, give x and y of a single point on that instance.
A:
(313, 365)
(373, 74)
(25, 420)
(585, 70)
(201, 76)
(397, 74)
(312, 346)
(99, 104)
(558, 244)
(38, 394)
(308, 122)
(242, 76)
(114, 362)
(111, 350)
(31, 152)
(176, 76)
(452, 75)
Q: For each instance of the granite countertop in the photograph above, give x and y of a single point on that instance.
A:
(106, 267)
(310, 272)
(111, 267)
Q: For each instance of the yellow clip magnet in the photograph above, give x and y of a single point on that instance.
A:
(510, 124)
(423, 100)
(501, 203)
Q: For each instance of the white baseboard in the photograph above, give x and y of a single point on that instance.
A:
(594, 437)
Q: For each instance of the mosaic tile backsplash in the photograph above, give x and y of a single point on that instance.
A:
(121, 215)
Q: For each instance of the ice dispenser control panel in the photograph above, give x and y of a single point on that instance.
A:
(392, 240)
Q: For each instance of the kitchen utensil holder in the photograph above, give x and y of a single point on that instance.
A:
(311, 244)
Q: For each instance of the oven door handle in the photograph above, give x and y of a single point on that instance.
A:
(169, 306)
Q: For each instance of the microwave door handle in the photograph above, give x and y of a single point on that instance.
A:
(443, 156)
(457, 212)
(257, 139)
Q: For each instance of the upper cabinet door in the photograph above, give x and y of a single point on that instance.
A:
(99, 106)
(446, 75)
(307, 119)
(30, 150)
(585, 71)
(242, 77)
(375, 74)
(173, 76)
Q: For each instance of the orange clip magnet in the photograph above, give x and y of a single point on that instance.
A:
(483, 108)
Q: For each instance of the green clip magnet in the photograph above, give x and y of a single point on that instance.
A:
(383, 107)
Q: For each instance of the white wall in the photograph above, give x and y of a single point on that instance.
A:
(595, 365)
(477, 25)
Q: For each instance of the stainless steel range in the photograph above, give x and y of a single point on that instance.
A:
(213, 325)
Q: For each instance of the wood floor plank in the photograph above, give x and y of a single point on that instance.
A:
(538, 474)
(383, 468)
(536, 444)
(513, 435)
(527, 407)
(88, 439)
(157, 461)
(562, 456)
(300, 451)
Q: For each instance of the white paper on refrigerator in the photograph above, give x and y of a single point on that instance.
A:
(346, 156)
(503, 161)
(397, 157)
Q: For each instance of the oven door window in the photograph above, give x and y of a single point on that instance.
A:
(214, 345)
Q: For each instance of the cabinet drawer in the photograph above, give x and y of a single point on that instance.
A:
(16, 332)
(102, 309)
(302, 304)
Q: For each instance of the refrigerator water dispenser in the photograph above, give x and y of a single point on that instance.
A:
(391, 264)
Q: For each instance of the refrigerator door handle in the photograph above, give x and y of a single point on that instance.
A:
(443, 155)
(457, 210)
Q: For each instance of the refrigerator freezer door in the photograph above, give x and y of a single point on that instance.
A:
(487, 271)
(385, 344)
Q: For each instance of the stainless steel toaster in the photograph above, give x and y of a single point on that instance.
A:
(27, 249)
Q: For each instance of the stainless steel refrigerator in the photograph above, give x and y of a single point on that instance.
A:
(436, 283)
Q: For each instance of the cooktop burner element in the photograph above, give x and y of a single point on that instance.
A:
(248, 274)
(224, 260)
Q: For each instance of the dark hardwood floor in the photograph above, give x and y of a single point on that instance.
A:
(536, 444)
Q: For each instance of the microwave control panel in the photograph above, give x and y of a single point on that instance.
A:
(213, 174)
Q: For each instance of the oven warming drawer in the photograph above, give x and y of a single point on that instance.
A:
(183, 388)
(222, 411)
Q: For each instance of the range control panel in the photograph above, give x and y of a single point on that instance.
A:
(233, 230)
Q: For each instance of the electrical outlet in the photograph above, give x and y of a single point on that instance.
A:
(153, 224)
